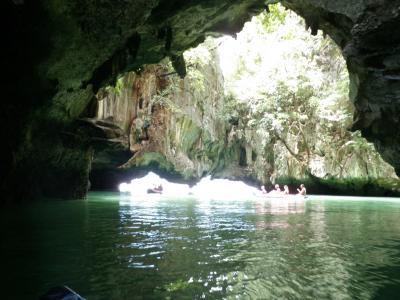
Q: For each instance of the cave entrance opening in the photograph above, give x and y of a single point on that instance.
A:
(271, 104)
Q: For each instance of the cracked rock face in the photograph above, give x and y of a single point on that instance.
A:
(59, 54)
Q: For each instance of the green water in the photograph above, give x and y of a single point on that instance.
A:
(110, 247)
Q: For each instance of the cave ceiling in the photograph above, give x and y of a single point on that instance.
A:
(60, 53)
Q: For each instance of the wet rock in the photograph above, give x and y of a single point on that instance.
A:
(77, 47)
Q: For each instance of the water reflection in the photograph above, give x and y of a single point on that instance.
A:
(115, 248)
(277, 207)
(280, 206)
(256, 249)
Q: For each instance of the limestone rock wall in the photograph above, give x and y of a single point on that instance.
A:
(170, 121)
(58, 54)
(187, 133)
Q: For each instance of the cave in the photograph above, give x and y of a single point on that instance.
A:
(76, 48)
(69, 65)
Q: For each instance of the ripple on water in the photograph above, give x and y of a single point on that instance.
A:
(193, 249)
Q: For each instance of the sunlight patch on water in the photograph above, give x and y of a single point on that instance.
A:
(208, 189)
(187, 248)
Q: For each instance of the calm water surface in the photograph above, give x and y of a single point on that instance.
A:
(113, 247)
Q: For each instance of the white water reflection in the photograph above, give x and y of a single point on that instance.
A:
(140, 186)
(205, 189)
(223, 189)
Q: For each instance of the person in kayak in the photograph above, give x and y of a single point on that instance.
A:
(263, 190)
(157, 189)
(276, 191)
(285, 190)
(302, 190)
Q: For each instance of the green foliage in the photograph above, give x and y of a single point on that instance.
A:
(287, 94)
(197, 80)
(165, 99)
(233, 110)
(274, 18)
(360, 186)
(197, 61)
(119, 86)
(200, 64)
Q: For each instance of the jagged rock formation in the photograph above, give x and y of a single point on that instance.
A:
(171, 121)
(76, 47)
(182, 124)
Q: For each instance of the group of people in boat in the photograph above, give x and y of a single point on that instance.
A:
(278, 192)
(156, 189)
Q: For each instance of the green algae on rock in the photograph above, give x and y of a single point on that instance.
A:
(77, 47)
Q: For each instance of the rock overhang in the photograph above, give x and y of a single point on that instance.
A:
(80, 46)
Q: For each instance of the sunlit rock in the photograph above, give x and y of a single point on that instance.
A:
(78, 47)
(271, 105)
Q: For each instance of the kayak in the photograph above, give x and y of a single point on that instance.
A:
(282, 197)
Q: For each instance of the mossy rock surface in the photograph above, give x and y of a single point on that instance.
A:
(76, 47)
